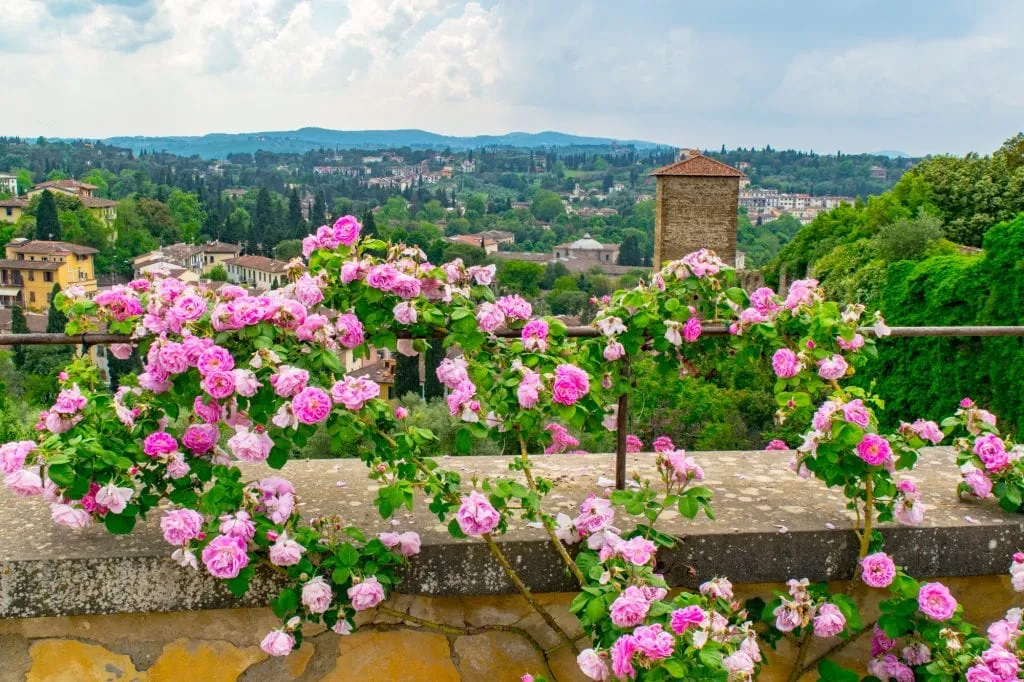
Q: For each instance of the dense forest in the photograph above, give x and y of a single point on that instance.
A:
(913, 253)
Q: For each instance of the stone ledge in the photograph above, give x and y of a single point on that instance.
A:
(771, 526)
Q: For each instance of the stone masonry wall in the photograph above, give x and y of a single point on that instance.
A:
(492, 639)
(693, 212)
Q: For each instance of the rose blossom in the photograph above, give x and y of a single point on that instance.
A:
(181, 525)
(622, 656)
(979, 483)
(476, 516)
(854, 412)
(717, 588)
(832, 368)
(936, 602)
(653, 642)
(595, 514)
(637, 551)
(878, 570)
(629, 608)
(354, 392)
(528, 391)
(571, 383)
(72, 517)
(225, 556)
(285, 551)
(113, 497)
(405, 313)
(613, 351)
(219, 384)
(350, 330)
(776, 444)
(311, 405)
(633, 444)
(408, 543)
(874, 449)
(200, 438)
(238, 524)
(663, 444)
(159, 442)
(24, 482)
(13, 455)
(317, 595)
(739, 664)
(289, 381)
(992, 452)
(489, 317)
(692, 330)
(916, 654)
(927, 430)
(367, 594)
(535, 336)
(592, 665)
(683, 619)
(278, 643)
(250, 446)
(829, 622)
(515, 307)
(785, 363)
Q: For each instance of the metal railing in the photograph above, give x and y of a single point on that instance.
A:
(622, 427)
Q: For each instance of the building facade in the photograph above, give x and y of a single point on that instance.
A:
(196, 258)
(32, 267)
(258, 272)
(8, 184)
(586, 249)
(696, 206)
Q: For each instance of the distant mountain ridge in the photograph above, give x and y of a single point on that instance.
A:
(218, 145)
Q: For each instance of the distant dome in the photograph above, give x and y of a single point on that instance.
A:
(586, 243)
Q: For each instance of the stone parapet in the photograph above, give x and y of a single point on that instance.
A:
(770, 526)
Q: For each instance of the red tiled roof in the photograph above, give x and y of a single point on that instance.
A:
(48, 247)
(65, 184)
(97, 202)
(700, 165)
(15, 264)
(258, 263)
(13, 202)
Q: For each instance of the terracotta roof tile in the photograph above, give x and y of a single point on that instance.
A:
(48, 247)
(699, 165)
(258, 263)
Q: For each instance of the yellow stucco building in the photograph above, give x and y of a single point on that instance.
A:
(32, 267)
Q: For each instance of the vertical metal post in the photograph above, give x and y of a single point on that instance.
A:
(621, 426)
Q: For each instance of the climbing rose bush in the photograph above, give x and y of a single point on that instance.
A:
(234, 377)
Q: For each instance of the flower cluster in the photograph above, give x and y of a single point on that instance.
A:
(989, 464)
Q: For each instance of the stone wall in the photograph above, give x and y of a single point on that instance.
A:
(491, 639)
(694, 212)
(86, 605)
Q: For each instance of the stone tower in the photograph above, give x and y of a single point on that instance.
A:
(696, 207)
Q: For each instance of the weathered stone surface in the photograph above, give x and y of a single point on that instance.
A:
(497, 657)
(194, 661)
(68, 660)
(398, 655)
(771, 525)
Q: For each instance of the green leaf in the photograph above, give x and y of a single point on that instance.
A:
(712, 658)
(240, 585)
(348, 555)
(463, 441)
(119, 524)
(674, 668)
(832, 672)
(688, 506)
(849, 610)
(455, 529)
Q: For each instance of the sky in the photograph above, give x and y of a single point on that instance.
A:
(850, 75)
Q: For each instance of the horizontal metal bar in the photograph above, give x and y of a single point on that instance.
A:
(91, 339)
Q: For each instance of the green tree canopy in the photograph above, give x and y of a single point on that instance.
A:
(47, 223)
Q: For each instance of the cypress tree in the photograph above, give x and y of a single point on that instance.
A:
(18, 326)
(432, 387)
(56, 320)
(369, 224)
(407, 375)
(629, 252)
(319, 215)
(296, 223)
(47, 223)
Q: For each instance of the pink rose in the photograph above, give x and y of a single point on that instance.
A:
(979, 483)
(285, 551)
(181, 525)
(992, 452)
(692, 330)
(246, 383)
(613, 351)
(829, 622)
(528, 391)
(623, 651)
(215, 359)
(874, 449)
(346, 230)
(408, 543)
(683, 619)
(739, 665)
(219, 384)
(877, 570)
(633, 444)
(208, 411)
(405, 313)
(225, 556)
(200, 438)
(311, 405)
(515, 307)
(483, 274)
(596, 514)
(250, 446)
(121, 351)
(776, 445)
(24, 482)
(927, 430)
(663, 444)
(832, 368)
(366, 594)
(308, 291)
(854, 412)
(936, 602)
(629, 608)
(71, 517)
(785, 363)
(289, 381)
(653, 642)
(637, 551)
(535, 336)
(592, 665)
(238, 524)
(354, 392)
(477, 516)
(350, 330)
(489, 317)
(571, 383)
(278, 643)
(317, 595)
(13, 455)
